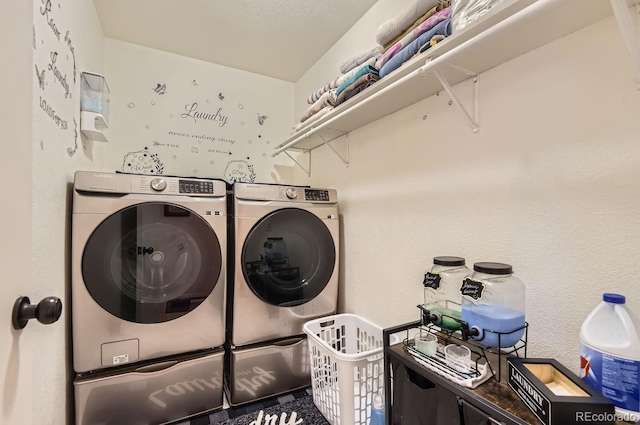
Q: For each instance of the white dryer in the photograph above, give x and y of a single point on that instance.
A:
(285, 273)
(286, 260)
(148, 267)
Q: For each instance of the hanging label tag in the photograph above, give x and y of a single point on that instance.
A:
(472, 289)
(431, 280)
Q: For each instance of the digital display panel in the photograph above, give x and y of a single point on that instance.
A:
(195, 186)
(316, 195)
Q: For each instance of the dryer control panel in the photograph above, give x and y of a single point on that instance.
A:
(272, 192)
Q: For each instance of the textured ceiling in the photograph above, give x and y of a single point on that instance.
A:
(276, 38)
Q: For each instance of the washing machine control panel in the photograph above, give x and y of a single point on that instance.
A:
(316, 195)
(195, 186)
(177, 186)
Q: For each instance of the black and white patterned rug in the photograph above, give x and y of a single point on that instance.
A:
(294, 408)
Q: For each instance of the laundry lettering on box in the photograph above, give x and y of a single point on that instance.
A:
(261, 377)
(192, 112)
(185, 387)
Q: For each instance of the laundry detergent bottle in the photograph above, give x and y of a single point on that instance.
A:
(378, 416)
(610, 354)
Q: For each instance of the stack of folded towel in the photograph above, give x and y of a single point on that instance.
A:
(342, 88)
(405, 35)
(414, 30)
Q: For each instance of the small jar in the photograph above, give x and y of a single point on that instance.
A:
(493, 303)
(442, 290)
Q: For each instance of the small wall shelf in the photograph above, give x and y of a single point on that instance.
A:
(515, 28)
(94, 106)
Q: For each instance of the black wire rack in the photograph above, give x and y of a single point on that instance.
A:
(482, 356)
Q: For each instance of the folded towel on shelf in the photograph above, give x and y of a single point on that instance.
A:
(363, 70)
(424, 27)
(311, 119)
(434, 40)
(443, 28)
(350, 93)
(350, 64)
(357, 86)
(336, 83)
(393, 27)
(420, 20)
(327, 99)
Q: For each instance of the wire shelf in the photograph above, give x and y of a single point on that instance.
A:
(486, 362)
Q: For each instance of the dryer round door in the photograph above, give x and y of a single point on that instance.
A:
(151, 262)
(288, 257)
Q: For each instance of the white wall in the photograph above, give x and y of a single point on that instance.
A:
(550, 185)
(58, 150)
(193, 118)
(15, 227)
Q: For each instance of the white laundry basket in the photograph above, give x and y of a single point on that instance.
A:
(347, 366)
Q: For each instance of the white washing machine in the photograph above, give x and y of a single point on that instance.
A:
(148, 267)
(285, 273)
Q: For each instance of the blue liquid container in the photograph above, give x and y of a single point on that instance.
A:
(610, 354)
(377, 410)
(493, 303)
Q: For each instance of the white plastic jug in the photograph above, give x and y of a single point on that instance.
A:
(610, 354)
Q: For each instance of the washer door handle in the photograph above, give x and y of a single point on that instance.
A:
(47, 311)
(288, 342)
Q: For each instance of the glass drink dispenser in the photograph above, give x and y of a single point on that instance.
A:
(493, 304)
(442, 291)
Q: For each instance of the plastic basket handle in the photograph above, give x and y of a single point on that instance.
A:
(327, 323)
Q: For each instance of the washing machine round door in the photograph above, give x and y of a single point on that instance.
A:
(288, 257)
(151, 262)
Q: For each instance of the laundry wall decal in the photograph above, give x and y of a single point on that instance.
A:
(55, 67)
(142, 162)
(212, 131)
(195, 114)
(239, 172)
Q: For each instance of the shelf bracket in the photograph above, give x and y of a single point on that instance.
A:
(473, 121)
(306, 170)
(629, 35)
(344, 159)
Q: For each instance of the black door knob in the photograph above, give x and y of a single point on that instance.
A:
(46, 311)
